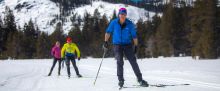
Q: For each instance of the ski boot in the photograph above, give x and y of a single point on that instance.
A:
(120, 84)
(143, 83)
(79, 75)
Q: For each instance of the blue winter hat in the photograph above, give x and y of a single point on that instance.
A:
(122, 11)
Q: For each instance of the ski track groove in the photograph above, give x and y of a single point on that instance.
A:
(25, 78)
(32, 77)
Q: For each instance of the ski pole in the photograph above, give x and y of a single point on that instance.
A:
(105, 50)
(63, 63)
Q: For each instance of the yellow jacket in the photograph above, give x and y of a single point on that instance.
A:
(70, 48)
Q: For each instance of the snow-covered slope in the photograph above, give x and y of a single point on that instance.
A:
(178, 74)
(40, 11)
(43, 11)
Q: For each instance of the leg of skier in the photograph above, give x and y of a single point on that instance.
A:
(68, 66)
(120, 63)
(53, 65)
(59, 68)
(129, 53)
(75, 67)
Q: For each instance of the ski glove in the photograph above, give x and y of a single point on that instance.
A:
(105, 45)
(62, 59)
(78, 58)
(135, 49)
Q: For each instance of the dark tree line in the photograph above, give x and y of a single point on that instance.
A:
(28, 42)
(150, 5)
(192, 31)
(66, 6)
(158, 6)
(70, 4)
(203, 27)
(188, 30)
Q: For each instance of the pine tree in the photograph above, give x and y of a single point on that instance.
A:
(217, 30)
(14, 45)
(114, 15)
(97, 35)
(43, 46)
(1, 36)
(9, 29)
(203, 25)
(181, 43)
(29, 40)
(9, 21)
(58, 35)
(75, 34)
(96, 14)
(87, 34)
(103, 25)
(141, 32)
(9, 24)
(73, 18)
(155, 24)
(152, 27)
(164, 33)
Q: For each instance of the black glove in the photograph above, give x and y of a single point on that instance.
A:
(135, 49)
(78, 58)
(105, 45)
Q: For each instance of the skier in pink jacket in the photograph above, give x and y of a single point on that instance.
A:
(56, 53)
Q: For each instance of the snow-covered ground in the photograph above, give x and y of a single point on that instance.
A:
(30, 75)
(42, 12)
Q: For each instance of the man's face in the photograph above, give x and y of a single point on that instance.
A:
(122, 17)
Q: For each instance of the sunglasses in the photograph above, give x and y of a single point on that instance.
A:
(124, 14)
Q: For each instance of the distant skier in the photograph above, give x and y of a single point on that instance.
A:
(68, 53)
(55, 52)
(123, 31)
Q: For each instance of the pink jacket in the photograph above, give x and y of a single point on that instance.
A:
(56, 52)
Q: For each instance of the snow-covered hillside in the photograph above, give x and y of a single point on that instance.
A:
(177, 74)
(42, 12)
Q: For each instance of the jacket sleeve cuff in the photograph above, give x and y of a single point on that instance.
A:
(134, 37)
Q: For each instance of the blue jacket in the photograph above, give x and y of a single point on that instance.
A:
(121, 35)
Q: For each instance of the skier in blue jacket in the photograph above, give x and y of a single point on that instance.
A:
(123, 33)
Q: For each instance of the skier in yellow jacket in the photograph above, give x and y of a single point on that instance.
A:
(68, 53)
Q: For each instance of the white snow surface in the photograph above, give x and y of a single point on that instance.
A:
(31, 75)
(43, 11)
